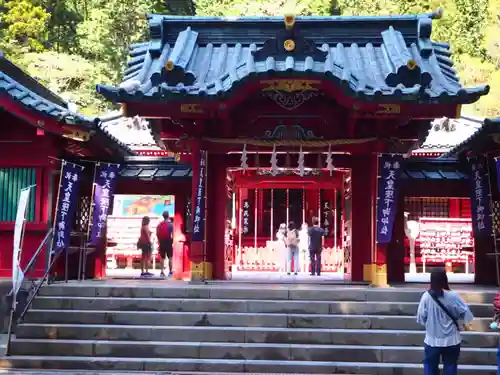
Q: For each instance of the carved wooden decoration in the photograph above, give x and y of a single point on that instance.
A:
(288, 93)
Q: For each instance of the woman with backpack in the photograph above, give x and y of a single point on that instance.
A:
(439, 311)
(292, 243)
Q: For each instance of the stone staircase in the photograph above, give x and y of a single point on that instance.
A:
(235, 328)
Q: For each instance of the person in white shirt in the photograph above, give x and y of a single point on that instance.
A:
(304, 245)
(280, 239)
(440, 311)
(292, 243)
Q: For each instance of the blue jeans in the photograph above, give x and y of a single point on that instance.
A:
(293, 253)
(498, 361)
(433, 354)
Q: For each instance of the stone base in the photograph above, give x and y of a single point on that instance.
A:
(376, 274)
(201, 271)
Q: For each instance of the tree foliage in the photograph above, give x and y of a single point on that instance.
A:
(72, 44)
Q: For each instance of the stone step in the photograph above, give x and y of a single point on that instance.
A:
(241, 351)
(103, 372)
(221, 319)
(242, 335)
(239, 305)
(225, 365)
(253, 292)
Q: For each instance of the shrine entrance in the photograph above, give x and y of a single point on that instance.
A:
(262, 201)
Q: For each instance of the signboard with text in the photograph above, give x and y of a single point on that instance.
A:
(480, 196)
(442, 240)
(389, 173)
(66, 207)
(104, 187)
(246, 225)
(199, 204)
(143, 205)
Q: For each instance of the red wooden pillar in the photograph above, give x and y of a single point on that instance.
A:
(396, 248)
(216, 214)
(364, 176)
(454, 207)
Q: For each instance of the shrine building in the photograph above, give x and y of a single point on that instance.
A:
(236, 126)
(286, 118)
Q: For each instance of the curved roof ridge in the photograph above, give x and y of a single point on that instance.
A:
(404, 63)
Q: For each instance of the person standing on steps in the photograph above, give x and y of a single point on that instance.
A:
(165, 235)
(292, 244)
(315, 246)
(282, 249)
(145, 245)
(439, 311)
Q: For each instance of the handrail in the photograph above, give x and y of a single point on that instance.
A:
(35, 256)
(37, 287)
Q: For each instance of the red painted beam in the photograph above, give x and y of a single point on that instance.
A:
(35, 119)
(217, 108)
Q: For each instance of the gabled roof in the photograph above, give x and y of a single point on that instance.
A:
(371, 58)
(480, 140)
(147, 168)
(28, 92)
(446, 133)
(433, 169)
(133, 133)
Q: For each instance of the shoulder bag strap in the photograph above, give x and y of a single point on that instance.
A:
(443, 307)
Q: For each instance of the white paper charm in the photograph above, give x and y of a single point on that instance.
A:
(244, 158)
(274, 162)
(329, 161)
(301, 162)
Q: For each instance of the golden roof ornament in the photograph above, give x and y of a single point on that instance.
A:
(411, 64)
(169, 65)
(289, 45)
(289, 21)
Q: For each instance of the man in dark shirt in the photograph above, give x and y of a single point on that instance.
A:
(165, 235)
(316, 246)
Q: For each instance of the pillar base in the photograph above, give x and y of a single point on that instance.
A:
(376, 274)
(368, 272)
(201, 271)
(379, 276)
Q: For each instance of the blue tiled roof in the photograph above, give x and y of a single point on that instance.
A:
(367, 56)
(25, 90)
(480, 137)
(131, 133)
(149, 169)
(433, 169)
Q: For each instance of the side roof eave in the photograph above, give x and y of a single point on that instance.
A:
(490, 125)
(22, 89)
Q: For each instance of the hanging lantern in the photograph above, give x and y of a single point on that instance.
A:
(329, 160)
(244, 159)
(274, 162)
(301, 162)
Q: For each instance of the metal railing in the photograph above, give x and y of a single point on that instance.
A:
(31, 291)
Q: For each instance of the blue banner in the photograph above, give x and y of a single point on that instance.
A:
(497, 165)
(66, 205)
(104, 187)
(390, 168)
(199, 211)
(480, 197)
